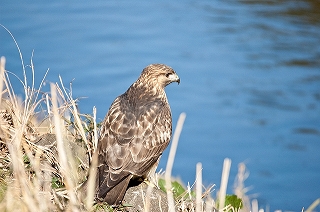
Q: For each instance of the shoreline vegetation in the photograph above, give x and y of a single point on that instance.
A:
(46, 147)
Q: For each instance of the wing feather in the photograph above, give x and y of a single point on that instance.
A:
(132, 140)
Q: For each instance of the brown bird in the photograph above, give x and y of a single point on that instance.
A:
(134, 133)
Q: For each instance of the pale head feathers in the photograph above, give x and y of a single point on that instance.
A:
(158, 75)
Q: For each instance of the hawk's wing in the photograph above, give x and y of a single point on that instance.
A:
(132, 141)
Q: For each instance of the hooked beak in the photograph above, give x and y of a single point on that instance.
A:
(178, 80)
(174, 78)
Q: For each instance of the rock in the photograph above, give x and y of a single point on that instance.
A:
(136, 197)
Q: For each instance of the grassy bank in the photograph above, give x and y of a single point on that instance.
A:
(47, 146)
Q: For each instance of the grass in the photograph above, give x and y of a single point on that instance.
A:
(40, 176)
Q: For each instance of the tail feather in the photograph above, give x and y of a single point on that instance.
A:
(113, 195)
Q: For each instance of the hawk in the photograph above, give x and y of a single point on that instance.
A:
(134, 133)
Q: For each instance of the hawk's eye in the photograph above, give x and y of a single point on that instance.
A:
(168, 74)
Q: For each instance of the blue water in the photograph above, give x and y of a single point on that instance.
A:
(250, 78)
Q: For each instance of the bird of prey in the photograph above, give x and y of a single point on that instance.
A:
(134, 133)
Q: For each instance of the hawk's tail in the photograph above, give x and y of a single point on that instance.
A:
(114, 195)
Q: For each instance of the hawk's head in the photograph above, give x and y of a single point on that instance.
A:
(158, 75)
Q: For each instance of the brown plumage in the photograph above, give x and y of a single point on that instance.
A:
(134, 133)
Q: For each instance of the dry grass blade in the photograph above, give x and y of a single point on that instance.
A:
(147, 201)
(92, 170)
(91, 184)
(255, 207)
(313, 205)
(239, 188)
(224, 182)
(20, 54)
(199, 187)
(169, 166)
(2, 65)
(95, 130)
